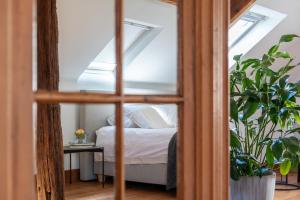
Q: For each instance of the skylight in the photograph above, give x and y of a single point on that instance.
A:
(136, 37)
(251, 28)
(243, 26)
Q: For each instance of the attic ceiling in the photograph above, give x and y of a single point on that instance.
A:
(87, 28)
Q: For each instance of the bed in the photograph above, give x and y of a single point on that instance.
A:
(145, 153)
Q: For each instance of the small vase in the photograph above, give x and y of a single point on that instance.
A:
(80, 140)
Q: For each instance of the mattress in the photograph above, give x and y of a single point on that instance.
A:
(141, 146)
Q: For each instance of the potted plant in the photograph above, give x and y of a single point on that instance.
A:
(263, 113)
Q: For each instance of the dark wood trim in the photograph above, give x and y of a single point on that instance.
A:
(16, 144)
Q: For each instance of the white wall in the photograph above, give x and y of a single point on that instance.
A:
(69, 121)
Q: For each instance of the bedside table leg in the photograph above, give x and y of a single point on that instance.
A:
(103, 177)
(70, 168)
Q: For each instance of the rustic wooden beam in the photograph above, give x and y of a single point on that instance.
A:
(237, 7)
(50, 157)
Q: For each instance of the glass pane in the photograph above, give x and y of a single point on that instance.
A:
(84, 127)
(86, 47)
(150, 47)
(238, 30)
(150, 150)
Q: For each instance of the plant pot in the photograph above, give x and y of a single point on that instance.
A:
(253, 188)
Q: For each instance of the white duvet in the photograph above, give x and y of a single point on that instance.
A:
(142, 146)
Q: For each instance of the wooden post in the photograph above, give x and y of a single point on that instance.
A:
(50, 169)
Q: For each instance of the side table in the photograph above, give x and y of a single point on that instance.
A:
(75, 149)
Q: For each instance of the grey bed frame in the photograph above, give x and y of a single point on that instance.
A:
(144, 173)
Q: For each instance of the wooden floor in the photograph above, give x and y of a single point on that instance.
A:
(288, 195)
(137, 191)
(134, 191)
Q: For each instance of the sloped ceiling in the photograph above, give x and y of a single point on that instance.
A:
(85, 27)
(289, 25)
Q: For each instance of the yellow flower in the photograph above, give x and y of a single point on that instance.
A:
(80, 132)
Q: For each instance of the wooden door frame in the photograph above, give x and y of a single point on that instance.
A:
(203, 153)
(16, 144)
(211, 94)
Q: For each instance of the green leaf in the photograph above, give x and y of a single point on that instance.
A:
(250, 108)
(252, 61)
(267, 61)
(292, 144)
(297, 117)
(234, 110)
(294, 130)
(283, 81)
(273, 50)
(277, 149)
(234, 173)
(285, 167)
(283, 54)
(263, 171)
(234, 140)
(287, 38)
(258, 76)
(237, 59)
(269, 157)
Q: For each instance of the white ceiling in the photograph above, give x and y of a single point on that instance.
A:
(85, 27)
(289, 25)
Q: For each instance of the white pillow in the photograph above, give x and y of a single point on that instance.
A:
(127, 123)
(149, 117)
(169, 113)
